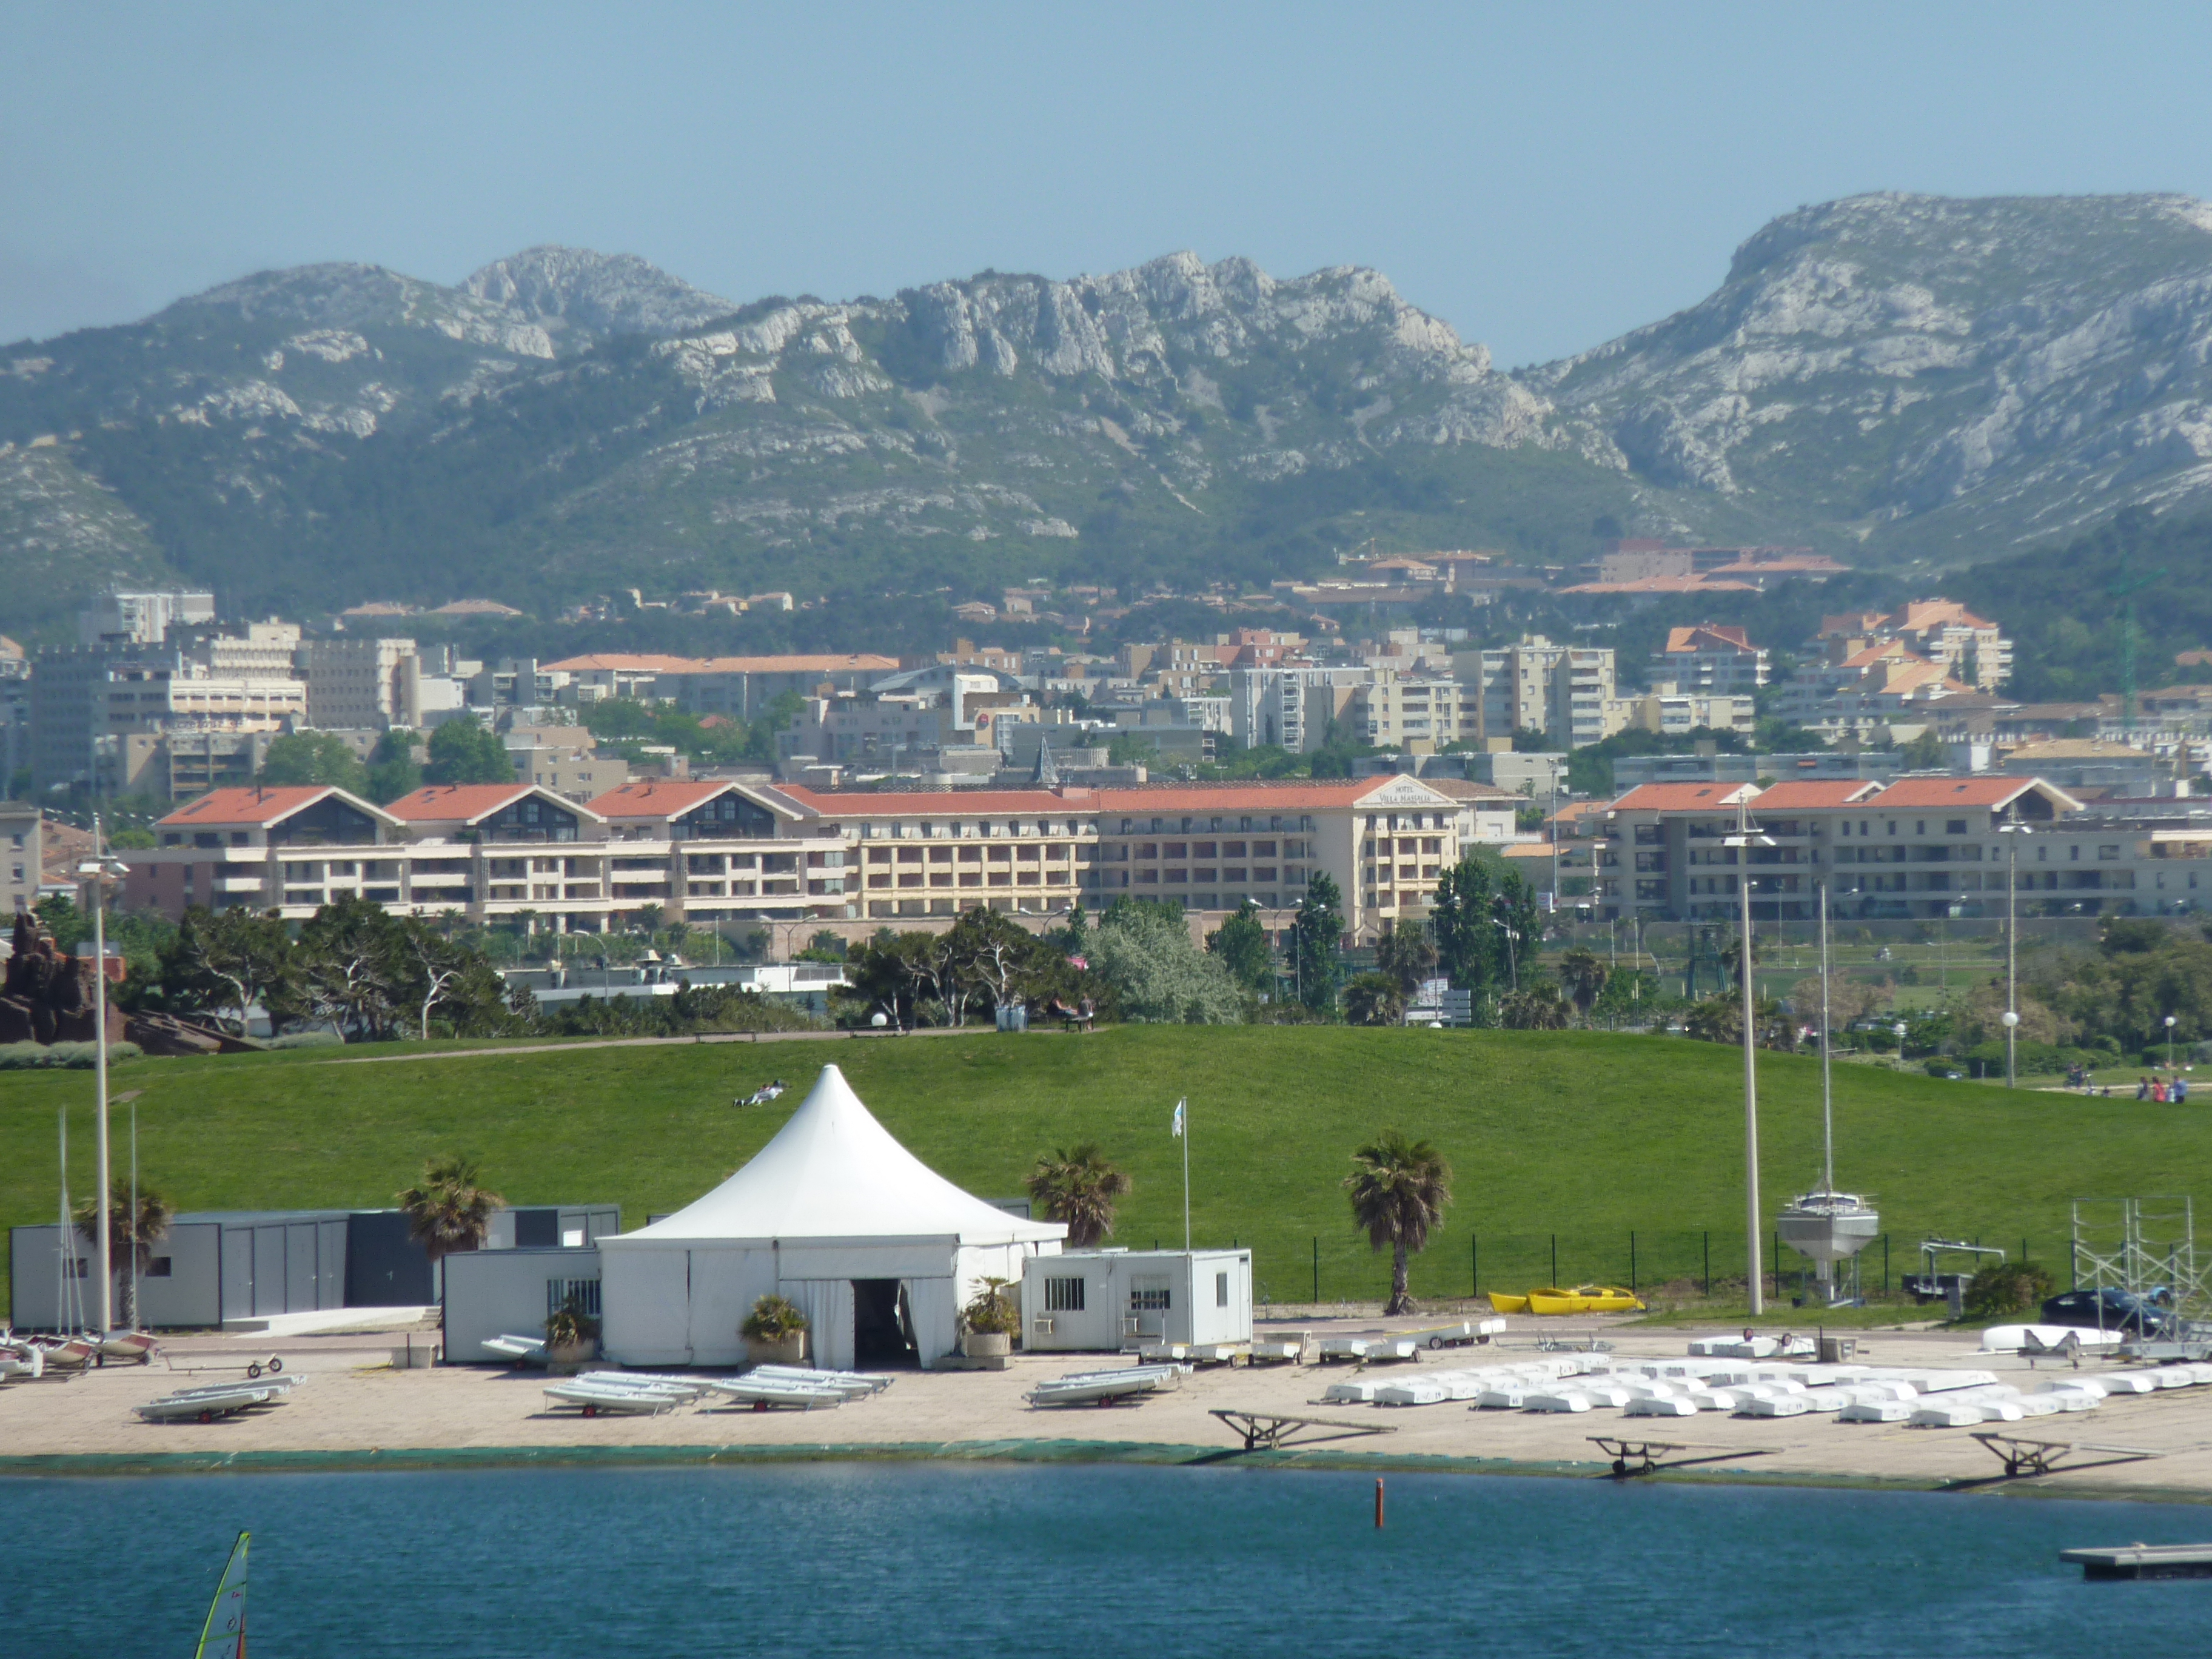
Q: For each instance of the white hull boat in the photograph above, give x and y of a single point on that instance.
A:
(597, 1400)
(205, 1406)
(519, 1350)
(1102, 1387)
(854, 1385)
(1279, 1350)
(768, 1394)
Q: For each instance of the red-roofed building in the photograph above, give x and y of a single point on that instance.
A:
(1709, 660)
(260, 846)
(1921, 847)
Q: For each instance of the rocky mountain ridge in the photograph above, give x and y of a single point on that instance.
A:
(1893, 376)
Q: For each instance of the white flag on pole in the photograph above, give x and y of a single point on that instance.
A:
(1178, 1116)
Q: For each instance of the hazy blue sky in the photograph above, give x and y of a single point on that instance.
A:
(1543, 177)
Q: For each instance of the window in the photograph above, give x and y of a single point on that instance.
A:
(2105, 854)
(1221, 1290)
(1148, 1298)
(159, 1267)
(585, 1292)
(1063, 1295)
(1956, 827)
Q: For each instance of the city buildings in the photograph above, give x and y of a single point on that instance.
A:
(21, 851)
(1710, 660)
(1564, 692)
(1917, 848)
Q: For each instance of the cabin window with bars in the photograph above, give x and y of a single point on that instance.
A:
(1063, 1295)
(1148, 1298)
(585, 1293)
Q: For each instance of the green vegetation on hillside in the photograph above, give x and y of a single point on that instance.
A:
(1585, 1135)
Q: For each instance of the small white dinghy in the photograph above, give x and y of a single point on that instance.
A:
(600, 1399)
(205, 1405)
(1103, 1388)
(1345, 1347)
(770, 1393)
(853, 1385)
(519, 1350)
(1660, 1404)
(684, 1388)
(1286, 1350)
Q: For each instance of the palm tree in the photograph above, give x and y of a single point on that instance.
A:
(1582, 977)
(1536, 1008)
(1080, 1188)
(1407, 954)
(1400, 1190)
(1373, 999)
(449, 1211)
(130, 1239)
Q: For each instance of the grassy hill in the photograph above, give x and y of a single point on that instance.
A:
(1585, 1135)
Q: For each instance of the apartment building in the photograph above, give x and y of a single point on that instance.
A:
(738, 687)
(1676, 714)
(1420, 713)
(922, 853)
(1565, 692)
(141, 618)
(1917, 848)
(1292, 708)
(356, 683)
(20, 850)
(701, 851)
(1709, 660)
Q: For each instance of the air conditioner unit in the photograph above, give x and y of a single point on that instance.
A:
(1041, 1327)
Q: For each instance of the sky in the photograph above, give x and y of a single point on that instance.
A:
(1543, 178)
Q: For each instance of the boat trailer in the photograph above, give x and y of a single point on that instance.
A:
(1272, 1431)
(1633, 1457)
(2026, 1456)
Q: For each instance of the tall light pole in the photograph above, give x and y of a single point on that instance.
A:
(2011, 832)
(96, 872)
(2169, 1042)
(1743, 841)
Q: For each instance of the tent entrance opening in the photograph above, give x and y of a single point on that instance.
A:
(881, 1327)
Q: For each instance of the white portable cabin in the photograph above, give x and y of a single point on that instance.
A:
(832, 1214)
(1113, 1299)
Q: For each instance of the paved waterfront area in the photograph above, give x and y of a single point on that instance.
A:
(353, 1403)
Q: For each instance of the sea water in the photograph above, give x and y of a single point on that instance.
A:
(985, 1559)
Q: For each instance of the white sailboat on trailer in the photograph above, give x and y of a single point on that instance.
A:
(1827, 1226)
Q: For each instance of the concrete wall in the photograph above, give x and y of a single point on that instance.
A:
(511, 1292)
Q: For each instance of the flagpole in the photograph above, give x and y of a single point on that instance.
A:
(1186, 1179)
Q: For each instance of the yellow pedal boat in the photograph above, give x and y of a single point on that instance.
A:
(1584, 1298)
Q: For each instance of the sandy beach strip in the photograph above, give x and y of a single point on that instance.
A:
(353, 1410)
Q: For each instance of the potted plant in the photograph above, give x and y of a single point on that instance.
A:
(572, 1336)
(775, 1333)
(989, 1322)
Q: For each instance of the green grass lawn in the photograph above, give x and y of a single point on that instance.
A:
(1586, 1136)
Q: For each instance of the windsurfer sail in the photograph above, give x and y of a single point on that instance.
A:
(223, 1636)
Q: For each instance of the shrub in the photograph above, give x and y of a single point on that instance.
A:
(308, 1040)
(2010, 1287)
(991, 1311)
(773, 1319)
(75, 1056)
(570, 1325)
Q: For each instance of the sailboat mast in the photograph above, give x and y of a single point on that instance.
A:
(1827, 1093)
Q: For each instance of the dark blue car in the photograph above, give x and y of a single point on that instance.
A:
(2107, 1309)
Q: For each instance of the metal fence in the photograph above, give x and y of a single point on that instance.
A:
(1683, 1261)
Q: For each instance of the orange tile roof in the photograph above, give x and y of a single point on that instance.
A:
(947, 803)
(1888, 649)
(259, 806)
(1664, 584)
(659, 798)
(1685, 639)
(465, 803)
(1682, 797)
(617, 662)
(1806, 794)
(1965, 791)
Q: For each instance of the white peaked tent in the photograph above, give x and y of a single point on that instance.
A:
(831, 1210)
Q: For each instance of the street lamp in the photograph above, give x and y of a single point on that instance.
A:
(1742, 842)
(96, 872)
(2011, 832)
(2169, 1042)
(1900, 1029)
